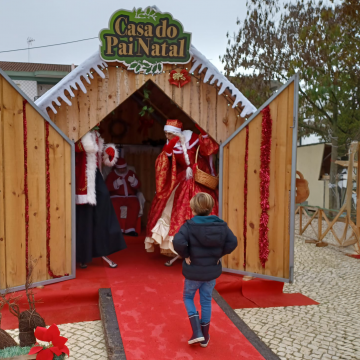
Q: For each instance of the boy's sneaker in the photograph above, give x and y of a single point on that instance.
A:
(197, 335)
(205, 330)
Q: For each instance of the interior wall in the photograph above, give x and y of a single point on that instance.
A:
(122, 126)
(142, 158)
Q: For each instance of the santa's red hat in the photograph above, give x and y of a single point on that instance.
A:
(173, 126)
(121, 163)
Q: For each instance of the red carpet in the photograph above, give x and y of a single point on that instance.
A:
(241, 294)
(149, 307)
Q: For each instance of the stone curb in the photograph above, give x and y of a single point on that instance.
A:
(250, 335)
(113, 340)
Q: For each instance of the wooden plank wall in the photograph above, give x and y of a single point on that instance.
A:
(12, 196)
(143, 159)
(281, 109)
(199, 101)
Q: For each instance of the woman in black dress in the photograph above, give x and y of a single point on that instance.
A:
(98, 233)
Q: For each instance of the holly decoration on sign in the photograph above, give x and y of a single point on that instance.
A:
(179, 79)
(147, 13)
(145, 67)
(57, 343)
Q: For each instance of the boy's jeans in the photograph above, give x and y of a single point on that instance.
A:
(205, 290)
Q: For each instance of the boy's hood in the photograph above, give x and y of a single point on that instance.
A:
(210, 231)
(206, 219)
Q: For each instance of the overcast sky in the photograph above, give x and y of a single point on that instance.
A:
(51, 22)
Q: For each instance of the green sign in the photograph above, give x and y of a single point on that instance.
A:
(144, 40)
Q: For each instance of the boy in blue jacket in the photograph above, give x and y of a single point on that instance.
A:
(202, 242)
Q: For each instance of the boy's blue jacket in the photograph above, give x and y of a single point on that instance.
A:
(205, 239)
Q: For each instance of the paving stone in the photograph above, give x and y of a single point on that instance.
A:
(325, 331)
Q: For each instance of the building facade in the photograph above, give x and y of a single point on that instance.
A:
(35, 79)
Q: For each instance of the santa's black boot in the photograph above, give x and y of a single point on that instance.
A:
(197, 335)
(205, 330)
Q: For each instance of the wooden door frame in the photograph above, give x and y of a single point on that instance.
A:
(295, 79)
(73, 207)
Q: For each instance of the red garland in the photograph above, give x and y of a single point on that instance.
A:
(26, 189)
(246, 191)
(264, 184)
(48, 223)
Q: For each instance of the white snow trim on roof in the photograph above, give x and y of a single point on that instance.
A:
(72, 81)
(222, 81)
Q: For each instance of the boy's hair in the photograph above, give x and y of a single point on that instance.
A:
(202, 204)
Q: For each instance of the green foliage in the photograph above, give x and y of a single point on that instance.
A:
(17, 351)
(146, 109)
(147, 93)
(321, 41)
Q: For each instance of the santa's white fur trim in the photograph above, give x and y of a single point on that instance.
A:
(100, 142)
(91, 167)
(88, 142)
(81, 199)
(172, 129)
(189, 173)
(121, 166)
(183, 136)
(106, 158)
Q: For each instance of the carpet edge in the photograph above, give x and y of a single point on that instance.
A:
(249, 334)
(114, 344)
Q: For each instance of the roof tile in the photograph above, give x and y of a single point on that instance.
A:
(31, 67)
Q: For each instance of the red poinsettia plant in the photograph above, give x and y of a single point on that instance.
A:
(179, 79)
(57, 343)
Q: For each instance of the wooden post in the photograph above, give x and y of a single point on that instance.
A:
(319, 224)
(358, 192)
(353, 148)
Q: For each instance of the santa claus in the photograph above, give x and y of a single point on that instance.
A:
(175, 184)
(123, 185)
(98, 233)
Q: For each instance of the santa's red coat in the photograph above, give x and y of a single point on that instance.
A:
(90, 154)
(125, 195)
(170, 170)
(126, 189)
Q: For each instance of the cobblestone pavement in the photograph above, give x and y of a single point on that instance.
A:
(330, 330)
(86, 340)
